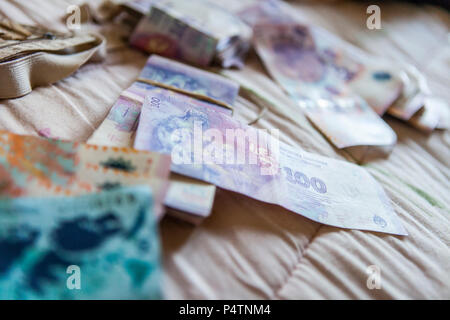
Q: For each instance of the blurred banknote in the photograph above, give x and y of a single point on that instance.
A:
(97, 246)
(320, 77)
(442, 107)
(213, 147)
(189, 199)
(119, 126)
(336, 68)
(417, 105)
(412, 97)
(210, 90)
(140, 7)
(32, 166)
(431, 116)
(197, 31)
(178, 76)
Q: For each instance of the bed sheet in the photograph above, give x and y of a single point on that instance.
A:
(247, 249)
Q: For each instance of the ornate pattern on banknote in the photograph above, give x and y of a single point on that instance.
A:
(32, 166)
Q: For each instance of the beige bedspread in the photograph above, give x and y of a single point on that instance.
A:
(248, 249)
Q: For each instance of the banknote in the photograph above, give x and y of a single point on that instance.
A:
(197, 31)
(413, 95)
(216, 148)
(141, 7)
(265, 12)
(118, 128)
(341, 66)
(417, 105)
(429, 116)
(189, 199)
(396, 88)
(317, 78)
(120, 124)
(32, 166)
(98, 246)
(444, 110)
(190, 80)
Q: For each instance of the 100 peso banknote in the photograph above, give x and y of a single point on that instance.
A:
(213, 147)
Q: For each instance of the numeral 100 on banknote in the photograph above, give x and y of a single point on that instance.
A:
(303, 180)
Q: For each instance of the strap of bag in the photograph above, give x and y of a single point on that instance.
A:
(42, 58)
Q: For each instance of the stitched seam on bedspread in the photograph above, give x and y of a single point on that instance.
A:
(276, 293)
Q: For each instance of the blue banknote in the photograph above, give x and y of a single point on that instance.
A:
(190, 79)
(98, 246)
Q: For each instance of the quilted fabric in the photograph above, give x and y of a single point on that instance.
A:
(248, 249)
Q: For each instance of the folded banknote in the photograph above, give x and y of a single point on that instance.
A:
(189, 80)
(140, 7)
(412, 96)
(417, 105)
(318, 78)
(393, 87)
(198, 32)
(429, 115)
(98, 246)
(161, 74)
(337, 67)
(213, 147)
(32, 166)
(442, 107)
(120, 124)
(189, 199)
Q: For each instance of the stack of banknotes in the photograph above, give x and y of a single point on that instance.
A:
(186, 113)
(335, 84)
(75, 216)
(189, 199)
(341, 89)
(198, 32)
(212, 146)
